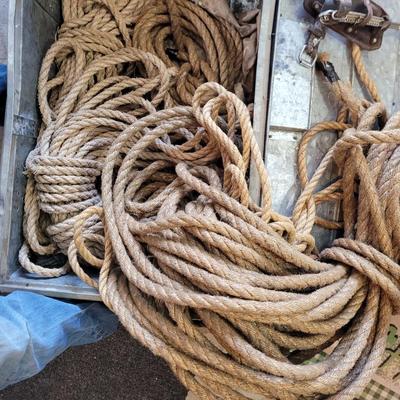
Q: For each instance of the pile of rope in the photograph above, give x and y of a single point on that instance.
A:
(140, 170)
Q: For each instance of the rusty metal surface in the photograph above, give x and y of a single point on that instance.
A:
(368, 36)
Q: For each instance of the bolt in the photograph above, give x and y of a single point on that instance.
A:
(374, 40)
(317, 5)
(349, 29)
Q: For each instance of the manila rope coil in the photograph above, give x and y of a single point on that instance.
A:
(140, 170)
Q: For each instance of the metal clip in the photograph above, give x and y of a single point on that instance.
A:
(328, 70)
(309, 53)
(307, 60)
(328, 17)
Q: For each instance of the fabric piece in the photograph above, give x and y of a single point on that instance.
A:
(247, 24)
(386, 383)
(376, 391)
(34, 329)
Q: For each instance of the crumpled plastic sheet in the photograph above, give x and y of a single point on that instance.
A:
(3, 92)
(3, 78)
(35, 329)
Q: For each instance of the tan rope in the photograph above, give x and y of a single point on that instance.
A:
(366, 80)
(140, 170)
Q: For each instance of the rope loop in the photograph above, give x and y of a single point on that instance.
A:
(141, 171)
(75, 189)
(376, 266)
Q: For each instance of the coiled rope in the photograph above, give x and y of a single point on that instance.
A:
(140, 171)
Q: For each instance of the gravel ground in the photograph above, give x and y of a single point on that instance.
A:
(118, 368)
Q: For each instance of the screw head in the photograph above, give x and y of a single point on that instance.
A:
(374, 40)
(349, 29)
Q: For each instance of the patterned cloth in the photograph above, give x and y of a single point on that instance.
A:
(376, 391)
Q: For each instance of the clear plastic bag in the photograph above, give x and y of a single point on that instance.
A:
(35, 329)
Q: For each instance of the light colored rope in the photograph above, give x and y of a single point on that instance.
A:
(140, 170)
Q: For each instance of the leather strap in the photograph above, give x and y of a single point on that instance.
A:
(343, 7)
(367, 37)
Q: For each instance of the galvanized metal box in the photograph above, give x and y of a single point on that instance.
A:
(288, 99)
(32, 28)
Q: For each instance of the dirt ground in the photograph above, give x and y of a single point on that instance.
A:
(118, 368)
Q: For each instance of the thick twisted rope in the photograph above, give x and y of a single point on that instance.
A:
(141, 171)
(103, 85)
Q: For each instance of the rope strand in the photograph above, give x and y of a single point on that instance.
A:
(140, 170)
